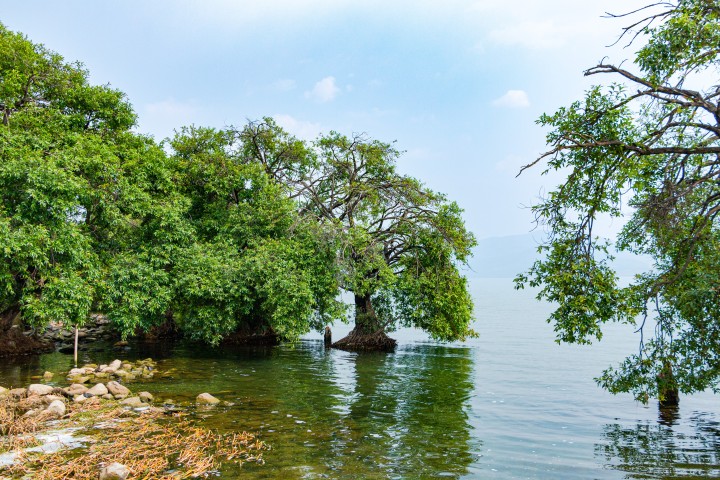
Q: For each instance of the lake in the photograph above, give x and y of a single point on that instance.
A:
(511, 404)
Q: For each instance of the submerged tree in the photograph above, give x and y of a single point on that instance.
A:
(650, 142)
(399, 244)
(400, 247)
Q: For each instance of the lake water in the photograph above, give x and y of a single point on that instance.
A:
(509, 405)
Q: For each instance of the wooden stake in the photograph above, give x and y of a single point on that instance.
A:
(76, 344)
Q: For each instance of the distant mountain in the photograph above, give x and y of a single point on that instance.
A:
(505, 257)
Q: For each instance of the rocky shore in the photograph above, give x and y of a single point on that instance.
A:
(44, 425)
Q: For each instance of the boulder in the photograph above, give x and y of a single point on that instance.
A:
(76, 371)
(132, 402)
(48, 375)
(79, 379)
(39, 389)
(31, 401)
(206, 399)
(116, 364)
(4, 392)
(48, 399)
(146, 397)
(18, 392)
(57, 408)
(79, 398)
(76, 389)
(108, 396)
(118, 390)
(114, 471)
(98, 390)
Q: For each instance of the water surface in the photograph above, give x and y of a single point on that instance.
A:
(509, 405)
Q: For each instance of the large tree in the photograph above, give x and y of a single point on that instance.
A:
(65, 152)
(645, 149)
(223, 253)
(399, 244)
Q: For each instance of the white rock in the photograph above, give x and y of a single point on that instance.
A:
(18, 392)
(207, 399)
(132, 402)
(114, 471)
(118, 390)
(48, 399)
(116, 364)
(57, 408)
(146, 397)
(76, 389)
(99, 390)
(39, 389)
(76, 371)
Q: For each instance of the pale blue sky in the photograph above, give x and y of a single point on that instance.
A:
(458, 84)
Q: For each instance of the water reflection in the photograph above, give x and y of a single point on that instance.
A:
(666, 449)
(409, 411)
(343, 415)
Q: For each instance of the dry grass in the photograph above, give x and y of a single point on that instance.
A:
(13, 422)
(152, 444)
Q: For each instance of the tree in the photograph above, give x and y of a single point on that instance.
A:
(224, 253)
(395, 244)
(401, 243)
(649, 143)
(398, 243)
(65, 148)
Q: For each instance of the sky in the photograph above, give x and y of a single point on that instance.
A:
(458, 84)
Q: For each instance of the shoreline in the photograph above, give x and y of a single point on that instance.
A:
(83, 429)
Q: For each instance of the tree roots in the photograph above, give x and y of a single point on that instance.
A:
(366, 342)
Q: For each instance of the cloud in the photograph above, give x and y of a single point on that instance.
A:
(324, 91)
(513, 99)
(553, 24)
(300, 128)
(284, 85)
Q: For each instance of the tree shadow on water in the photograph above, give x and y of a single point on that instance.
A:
(408, 417)
(672, 448)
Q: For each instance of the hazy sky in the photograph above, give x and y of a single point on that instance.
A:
(458, 84)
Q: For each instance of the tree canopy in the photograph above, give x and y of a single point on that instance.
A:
(215, 232)
(65, 151)
(225, 252)
(645, 148)
(399, 244)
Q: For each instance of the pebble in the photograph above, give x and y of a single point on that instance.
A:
(114, 471)
(207, 399)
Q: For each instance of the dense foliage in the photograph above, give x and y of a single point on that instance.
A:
(217, 232)
(65, 152)
(399, 244)
(224, 252)
(648, 144)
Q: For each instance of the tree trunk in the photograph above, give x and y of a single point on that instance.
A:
(368, 334)
(12, 339)
(667, 387)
